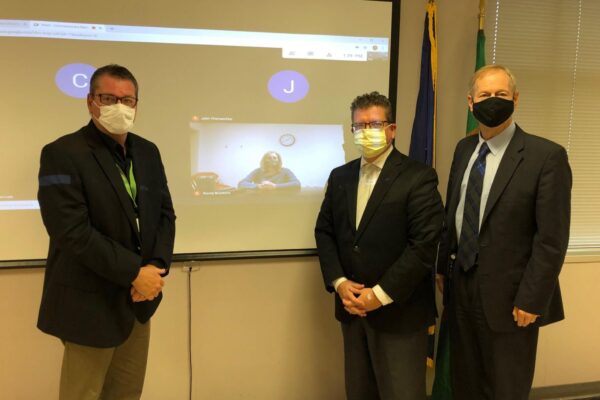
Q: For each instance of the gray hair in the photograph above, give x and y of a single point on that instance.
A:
(512, 81)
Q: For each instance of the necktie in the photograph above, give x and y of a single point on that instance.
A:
(365, 187)
(468, 246)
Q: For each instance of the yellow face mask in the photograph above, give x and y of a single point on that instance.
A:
(370, 142)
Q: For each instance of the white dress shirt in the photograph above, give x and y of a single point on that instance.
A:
(497, 145)
(369, 174)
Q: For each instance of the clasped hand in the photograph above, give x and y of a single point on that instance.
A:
(357, 299)
(148, 284)
(266, 185)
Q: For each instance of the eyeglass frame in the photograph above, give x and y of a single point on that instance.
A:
(117, 99)
(369, 125)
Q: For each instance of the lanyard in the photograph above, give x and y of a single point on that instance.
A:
(130, 185)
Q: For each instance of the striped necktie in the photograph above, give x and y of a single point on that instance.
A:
(468, 246)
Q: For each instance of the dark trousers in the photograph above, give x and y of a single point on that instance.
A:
(486, 365)
(380, 365)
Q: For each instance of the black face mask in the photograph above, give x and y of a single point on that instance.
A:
(493, 111)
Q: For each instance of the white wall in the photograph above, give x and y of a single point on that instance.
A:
(260, 330)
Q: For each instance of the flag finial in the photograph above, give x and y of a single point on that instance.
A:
(481, 14)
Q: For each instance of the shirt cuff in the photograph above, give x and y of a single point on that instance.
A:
(382, 296)
(338, 282)
(157, 262)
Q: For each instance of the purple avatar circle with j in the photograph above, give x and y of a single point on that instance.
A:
(74, 79)
(288, 86)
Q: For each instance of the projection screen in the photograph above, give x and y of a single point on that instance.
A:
(223, 86)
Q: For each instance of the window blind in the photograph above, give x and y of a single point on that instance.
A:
(552, 48)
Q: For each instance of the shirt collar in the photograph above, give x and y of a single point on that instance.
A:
(500, 141)
(379, 161)
(113, 146)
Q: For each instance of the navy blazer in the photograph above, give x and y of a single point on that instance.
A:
(394, 246)
(95, 247)
(524, 232)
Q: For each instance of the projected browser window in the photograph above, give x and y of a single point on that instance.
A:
(294, 142)
(299, 46)
(250, 113)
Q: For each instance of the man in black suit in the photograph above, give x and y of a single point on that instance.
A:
(507, 220)
(377, 251)
(106, 206)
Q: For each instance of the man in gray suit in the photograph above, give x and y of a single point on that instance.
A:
(507, 232)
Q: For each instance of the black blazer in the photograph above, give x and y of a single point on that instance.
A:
(394, 245)
(524, 233)
(95, 248)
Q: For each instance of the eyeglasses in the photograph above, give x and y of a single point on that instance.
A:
(357, 126)
(109, 100)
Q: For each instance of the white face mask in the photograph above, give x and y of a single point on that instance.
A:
(117, 118)
(370, 142)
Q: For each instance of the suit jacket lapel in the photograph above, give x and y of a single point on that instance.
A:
(108, 166)
(141, 177)
(389, 173)
(352, 191)
(511, 159)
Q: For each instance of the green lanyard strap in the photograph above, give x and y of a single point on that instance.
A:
(130, 185)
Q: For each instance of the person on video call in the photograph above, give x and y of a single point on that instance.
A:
(106, 206)
(506, 236)
(377, 235)
(271, 175)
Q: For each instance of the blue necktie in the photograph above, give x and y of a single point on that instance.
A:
(468, 246)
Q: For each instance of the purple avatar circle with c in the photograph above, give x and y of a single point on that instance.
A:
(74, 79)
(288, 86)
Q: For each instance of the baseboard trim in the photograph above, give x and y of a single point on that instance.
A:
(575, 391)
(580, 391)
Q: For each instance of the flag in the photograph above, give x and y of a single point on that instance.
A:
(422, 140)
(442, 386)
(472, 123)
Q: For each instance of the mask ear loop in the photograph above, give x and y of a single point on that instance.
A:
(99, 107)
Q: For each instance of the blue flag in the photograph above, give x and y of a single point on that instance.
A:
(422, 140)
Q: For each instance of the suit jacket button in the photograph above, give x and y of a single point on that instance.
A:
(356, 249)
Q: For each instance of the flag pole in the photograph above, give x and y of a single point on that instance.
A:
(472, 124)
(481, 14)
